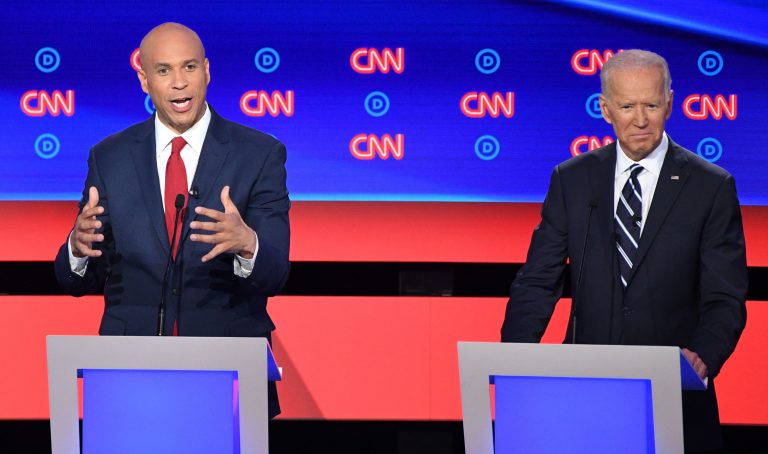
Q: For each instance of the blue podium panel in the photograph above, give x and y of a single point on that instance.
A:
(542, 415)
(163, 411)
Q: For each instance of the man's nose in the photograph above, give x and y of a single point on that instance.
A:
(179, 79)
(641, 117)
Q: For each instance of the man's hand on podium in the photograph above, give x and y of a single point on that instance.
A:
(696, 362)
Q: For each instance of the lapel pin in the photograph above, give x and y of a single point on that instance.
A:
(675, 177)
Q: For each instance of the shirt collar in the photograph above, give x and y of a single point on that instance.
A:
(195, 136)
(651, 163)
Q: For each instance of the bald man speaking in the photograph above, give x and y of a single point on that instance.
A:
(185, 207)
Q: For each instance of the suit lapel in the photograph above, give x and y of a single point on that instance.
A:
(671, 180)
(145, 160)
(602, 180)
(212, 159)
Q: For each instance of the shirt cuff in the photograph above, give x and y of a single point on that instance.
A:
(78, 265)
(244, 267)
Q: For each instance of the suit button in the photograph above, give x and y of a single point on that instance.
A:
(175, 292)
(626, 312)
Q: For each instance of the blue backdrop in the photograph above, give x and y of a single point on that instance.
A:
(716, 50)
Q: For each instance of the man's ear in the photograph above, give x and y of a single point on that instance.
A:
(669, 103)
(143, 80)
(604, 110)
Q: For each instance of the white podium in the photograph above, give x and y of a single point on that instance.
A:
(573, 398)
(194, 394)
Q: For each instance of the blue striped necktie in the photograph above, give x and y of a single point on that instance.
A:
(628, 220)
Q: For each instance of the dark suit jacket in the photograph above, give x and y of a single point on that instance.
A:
(206, 299)
(688, 285)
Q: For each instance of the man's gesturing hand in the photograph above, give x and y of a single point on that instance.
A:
(84, 235)
(230, 232)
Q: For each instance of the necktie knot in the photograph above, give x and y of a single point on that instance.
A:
(177, 144)
(634, 169)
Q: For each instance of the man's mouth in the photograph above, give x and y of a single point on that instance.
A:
(181, 104)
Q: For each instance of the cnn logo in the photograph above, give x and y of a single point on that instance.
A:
(587, 62)
(583, 144)
(701, 107)
(36, 103)
(478, 105)
(367, 146)
(258, 103)
(369, 60)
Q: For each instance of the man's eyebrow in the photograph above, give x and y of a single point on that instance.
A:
(168, 65)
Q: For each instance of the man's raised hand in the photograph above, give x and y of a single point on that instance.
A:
(84, 235)
(230, 232)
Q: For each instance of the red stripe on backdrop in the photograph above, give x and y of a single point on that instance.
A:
(742, 386)
(359, 231)
(24, 323)
(413, 232)
(353, 357)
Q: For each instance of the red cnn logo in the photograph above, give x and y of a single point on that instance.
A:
(367, 61)
(274, 104)
(135, 62)
(588, 62)
(54, 103)
(708, 106)
(592, 142)
(478, 105)
(383, 147)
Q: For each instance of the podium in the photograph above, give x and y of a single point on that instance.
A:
(573, 398)
(160, 394)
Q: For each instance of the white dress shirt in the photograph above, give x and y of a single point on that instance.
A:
(190, 154)
(648, 177)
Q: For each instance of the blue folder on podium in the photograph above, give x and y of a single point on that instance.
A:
(160, 394)
(573, 398)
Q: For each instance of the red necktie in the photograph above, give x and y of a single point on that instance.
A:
(175, 184)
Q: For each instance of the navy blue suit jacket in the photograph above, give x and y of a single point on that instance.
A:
(688, 285)
(205, 299)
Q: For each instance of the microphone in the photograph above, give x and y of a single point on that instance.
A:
(575, 297)
(194, 192)
(179, 204)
